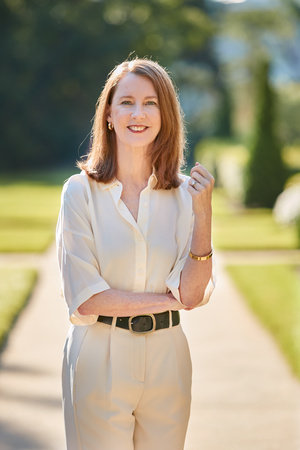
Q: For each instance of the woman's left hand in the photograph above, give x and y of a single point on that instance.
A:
(200, 187)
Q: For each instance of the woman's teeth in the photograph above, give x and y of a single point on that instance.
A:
(137, 128)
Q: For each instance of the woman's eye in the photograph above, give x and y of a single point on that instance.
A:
(151, 102)
(126, 102)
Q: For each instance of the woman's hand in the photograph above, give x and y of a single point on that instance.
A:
(200, 187)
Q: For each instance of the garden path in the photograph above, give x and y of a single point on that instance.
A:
(244, 395)
(30, 389)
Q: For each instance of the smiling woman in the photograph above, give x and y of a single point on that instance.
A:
(134, 248)
(166, 154)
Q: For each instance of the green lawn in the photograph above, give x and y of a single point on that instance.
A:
(15, 287)
(273, 293)
(29, 207)
(235, 228)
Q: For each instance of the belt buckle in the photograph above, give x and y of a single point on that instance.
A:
(142, 332)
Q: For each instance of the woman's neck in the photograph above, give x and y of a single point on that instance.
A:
(134, 168)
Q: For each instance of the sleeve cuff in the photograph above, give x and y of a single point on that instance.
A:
(173, 281)
(75, 317)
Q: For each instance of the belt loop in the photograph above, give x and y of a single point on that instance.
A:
(170, 319)
(113, 324)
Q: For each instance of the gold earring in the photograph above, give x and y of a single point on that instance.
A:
(110, 126)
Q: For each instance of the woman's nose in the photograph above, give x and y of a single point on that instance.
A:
(138, 111)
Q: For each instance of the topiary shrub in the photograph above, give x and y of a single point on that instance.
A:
(265, 172)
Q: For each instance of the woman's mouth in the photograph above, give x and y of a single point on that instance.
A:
(137, 128)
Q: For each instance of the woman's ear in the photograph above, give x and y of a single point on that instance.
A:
(108, 116)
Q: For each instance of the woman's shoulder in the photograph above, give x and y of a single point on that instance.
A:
(75, 185)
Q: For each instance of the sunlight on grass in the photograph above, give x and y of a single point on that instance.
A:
(292, 156)
(29, 208)
(28, 216)
(273, 293)
(248, 229)
(15, 287)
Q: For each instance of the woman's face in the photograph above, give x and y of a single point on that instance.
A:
(135, 112)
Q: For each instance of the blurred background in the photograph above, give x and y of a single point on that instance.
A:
(236, 65)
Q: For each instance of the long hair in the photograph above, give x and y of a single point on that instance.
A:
(166, 152)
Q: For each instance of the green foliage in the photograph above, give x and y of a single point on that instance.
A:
(223, 116)
(273, 293)
(55, 59)
(249, 24)
(15, 287)
(266, 174)
(289, 112)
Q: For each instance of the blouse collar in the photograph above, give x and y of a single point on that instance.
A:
(115, 182)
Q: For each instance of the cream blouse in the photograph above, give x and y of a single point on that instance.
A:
(101, 246)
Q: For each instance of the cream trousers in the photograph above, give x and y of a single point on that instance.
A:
(130, 391)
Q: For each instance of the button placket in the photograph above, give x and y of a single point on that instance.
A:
(143, 216)
(140, 263)
(140, 231)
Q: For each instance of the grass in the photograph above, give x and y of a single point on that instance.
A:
(235, 228)
(15, 288)
(29, 206)
(273, 293)
(227, 160)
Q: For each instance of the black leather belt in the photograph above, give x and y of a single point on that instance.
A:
(145, 323)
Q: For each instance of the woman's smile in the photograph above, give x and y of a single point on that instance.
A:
(137, 128)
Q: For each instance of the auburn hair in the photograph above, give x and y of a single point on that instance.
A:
(165, 154)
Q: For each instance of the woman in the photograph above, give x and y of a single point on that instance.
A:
(134, 247)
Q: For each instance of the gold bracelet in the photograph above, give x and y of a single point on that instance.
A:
(201, 258)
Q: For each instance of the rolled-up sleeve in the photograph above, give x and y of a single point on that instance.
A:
(75, 244)
(173, 279)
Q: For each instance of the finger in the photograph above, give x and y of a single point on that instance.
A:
(192, 191)
(193, 183)
(202, 170)
(200, 179)
(196, 187)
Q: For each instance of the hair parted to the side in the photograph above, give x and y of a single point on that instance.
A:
(166, 153)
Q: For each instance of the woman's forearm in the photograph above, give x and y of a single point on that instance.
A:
(196, 274)
(115, 302)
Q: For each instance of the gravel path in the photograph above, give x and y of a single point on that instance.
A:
(244, 395)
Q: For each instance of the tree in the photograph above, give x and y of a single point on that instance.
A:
(56, 56)
(265, 174)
